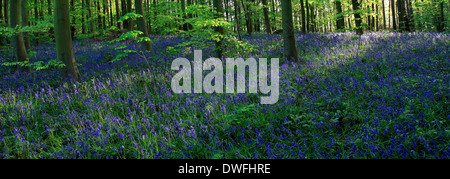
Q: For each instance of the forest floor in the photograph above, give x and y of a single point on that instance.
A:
(383, 95)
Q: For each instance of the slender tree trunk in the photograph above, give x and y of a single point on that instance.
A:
(274, 16)
(184, 15)
(99, 15)
(5, 12)
(340, 18)
(25, 23)
(129, 9)
(83, 17)
(248, 19)
(2, 41)
(142, 25)
(402, 21)
(64, 47)
(308, 17)
(358, 27)
(290, 46)
(302, 10)
(73, 28)
(412, 25)
(119, 25)
(441, 19)
(217, 4)
(393, 14)
(266, 17)
(124, 11)
(105, 14)
(384, 15)
(236, 14)
(1, 12)
(369, 25)
(17, 39)
(91, 22)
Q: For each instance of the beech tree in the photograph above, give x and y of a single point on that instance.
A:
(290, 47)
(357, 15)
(17, 39)
(64, 48)
(142, 25)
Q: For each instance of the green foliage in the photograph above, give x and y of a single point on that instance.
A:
(39, 65)
(130, 15)
(41, 26)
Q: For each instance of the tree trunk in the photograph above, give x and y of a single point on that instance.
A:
(64, 46)
(91, 23)
(266, 17)
(1, 12)
(274, 16)
(5, 12)
(25, 23)
(402, 19)
(17, 39)
(358, 27)
(236, 14)
(308, 17)
(73, 28)
(393, 14)
(290, 46)
(384, 15)
(302, 9)
(340, 18)
(184, 15)
(410, 16)
(124, 11)
(217, 4)
(369, 25)
(248, 19)
(188, 3)
(119, 25)
(142, 25)
(129, 9)
(441, 19)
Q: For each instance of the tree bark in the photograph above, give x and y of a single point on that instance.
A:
(91, 23)
(64, 46)
(25, 23)
(5, 12)
(393, 15)
(302, 10)
(124, 11)
(384, 15)
(441, 19)
(217, 4)
(17, 39)
(1, 12)
(402, 16)
(358, 20)
(266, 17)
(119, 25)
(308, 17)
(142, 25)
(248, 19)
(83, 17)
(73, 28)
(129, 9)
(340, 19)
(290, 46)
(236, 14)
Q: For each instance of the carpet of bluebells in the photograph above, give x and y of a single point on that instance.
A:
(383, 95)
